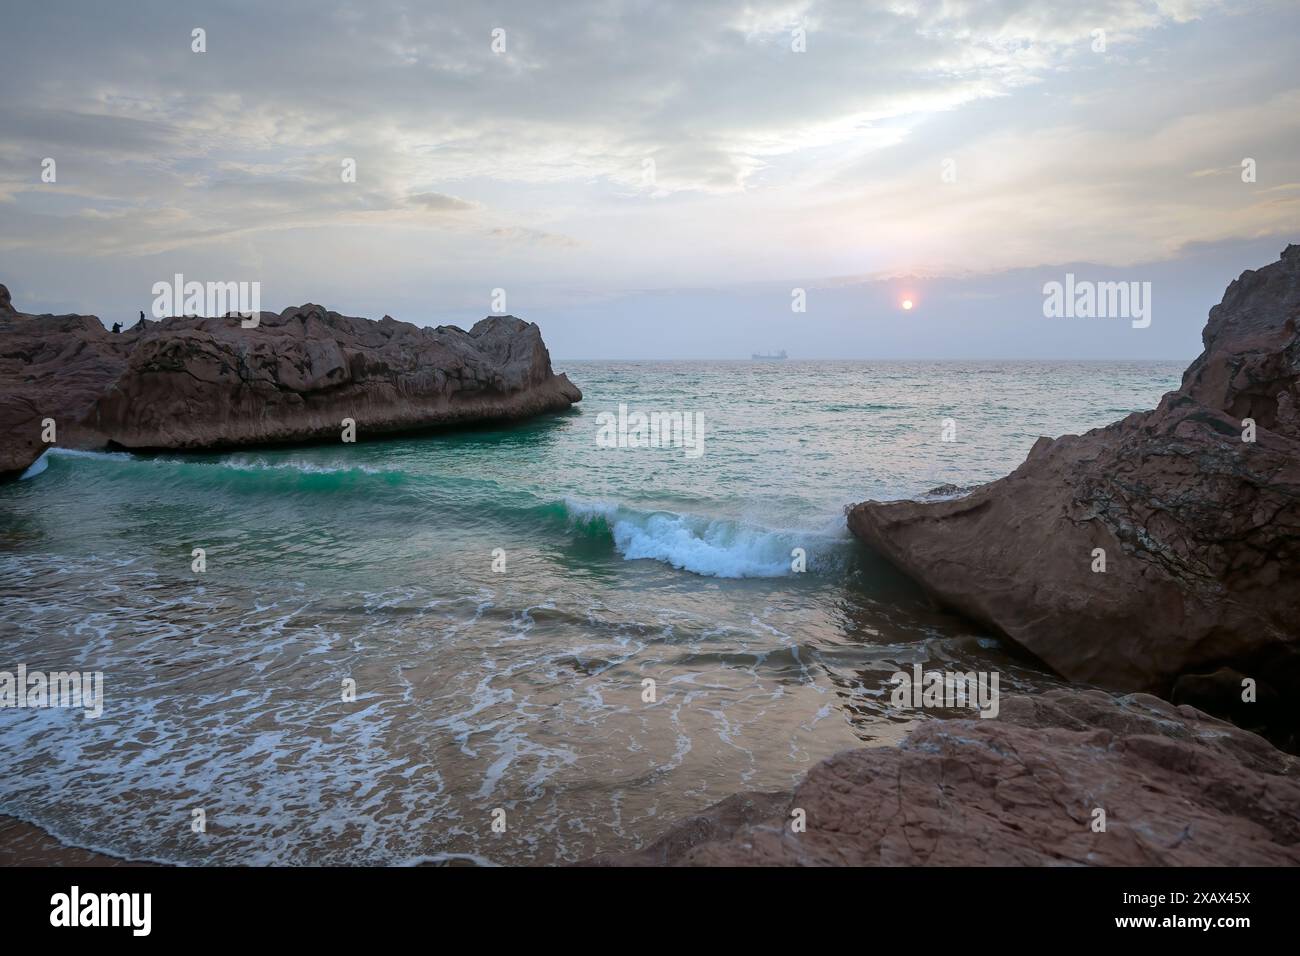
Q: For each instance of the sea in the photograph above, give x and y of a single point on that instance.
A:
(504, 645)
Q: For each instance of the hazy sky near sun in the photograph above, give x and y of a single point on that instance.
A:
(528, 169)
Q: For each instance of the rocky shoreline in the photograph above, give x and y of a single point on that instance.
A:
(195, 384)
(1194, 508)
(25, 844)
(1194, 512)
(1176, 787)
(1156, 558)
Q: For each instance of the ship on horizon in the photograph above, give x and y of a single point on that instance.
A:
(773, 357)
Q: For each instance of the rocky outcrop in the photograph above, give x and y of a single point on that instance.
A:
(1177, 788)
(53, 368)
(192, 383)
(1199, 529)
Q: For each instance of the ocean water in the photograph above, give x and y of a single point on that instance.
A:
(518, 690)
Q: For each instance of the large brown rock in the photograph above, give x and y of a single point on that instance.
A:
(1200, 529)
(191, 383)
(51, 367)
(1178, 788)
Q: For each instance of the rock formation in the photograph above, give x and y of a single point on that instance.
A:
(1178, 788)
(1200, 529)
(193, 383)
(51, 367)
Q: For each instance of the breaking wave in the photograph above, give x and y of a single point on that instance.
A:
(713, 547)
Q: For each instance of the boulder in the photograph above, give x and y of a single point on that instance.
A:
(1176, 787)
(1199, 529)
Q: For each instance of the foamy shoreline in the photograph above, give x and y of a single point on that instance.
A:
(25, 844)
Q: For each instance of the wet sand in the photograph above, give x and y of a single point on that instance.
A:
(23, 844)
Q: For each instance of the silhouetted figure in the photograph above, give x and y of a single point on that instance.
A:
(140, 326)
(117, 326)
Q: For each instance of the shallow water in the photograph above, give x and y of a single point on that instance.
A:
(519, 690)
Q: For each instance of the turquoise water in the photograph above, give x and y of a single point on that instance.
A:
(519, 689)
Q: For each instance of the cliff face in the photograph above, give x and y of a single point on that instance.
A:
(51, 367)
(191, 383)
(1200, 529)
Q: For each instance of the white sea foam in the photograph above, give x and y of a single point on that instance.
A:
(40, 464)
(234, 462)
(710, 547)
(35, 468)
(241, 463)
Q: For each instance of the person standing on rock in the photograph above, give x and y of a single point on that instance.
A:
(140, 326)
(117, 327)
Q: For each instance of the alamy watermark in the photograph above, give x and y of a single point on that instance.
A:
(179, 297)
(683, 430)
(1084, 299)
(36, 689)
(130, 910)
(946, 689)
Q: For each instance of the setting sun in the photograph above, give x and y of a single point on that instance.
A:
(907, 303)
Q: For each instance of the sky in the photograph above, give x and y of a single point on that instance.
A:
(655, 180)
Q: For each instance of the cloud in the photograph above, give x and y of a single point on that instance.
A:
(439, 202)
(533, 163)
(519, 234)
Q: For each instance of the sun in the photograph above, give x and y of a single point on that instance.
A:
(907, 304)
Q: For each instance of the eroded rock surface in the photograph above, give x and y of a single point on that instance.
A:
(193, 383)
(1200, 529)
(1178, 788)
